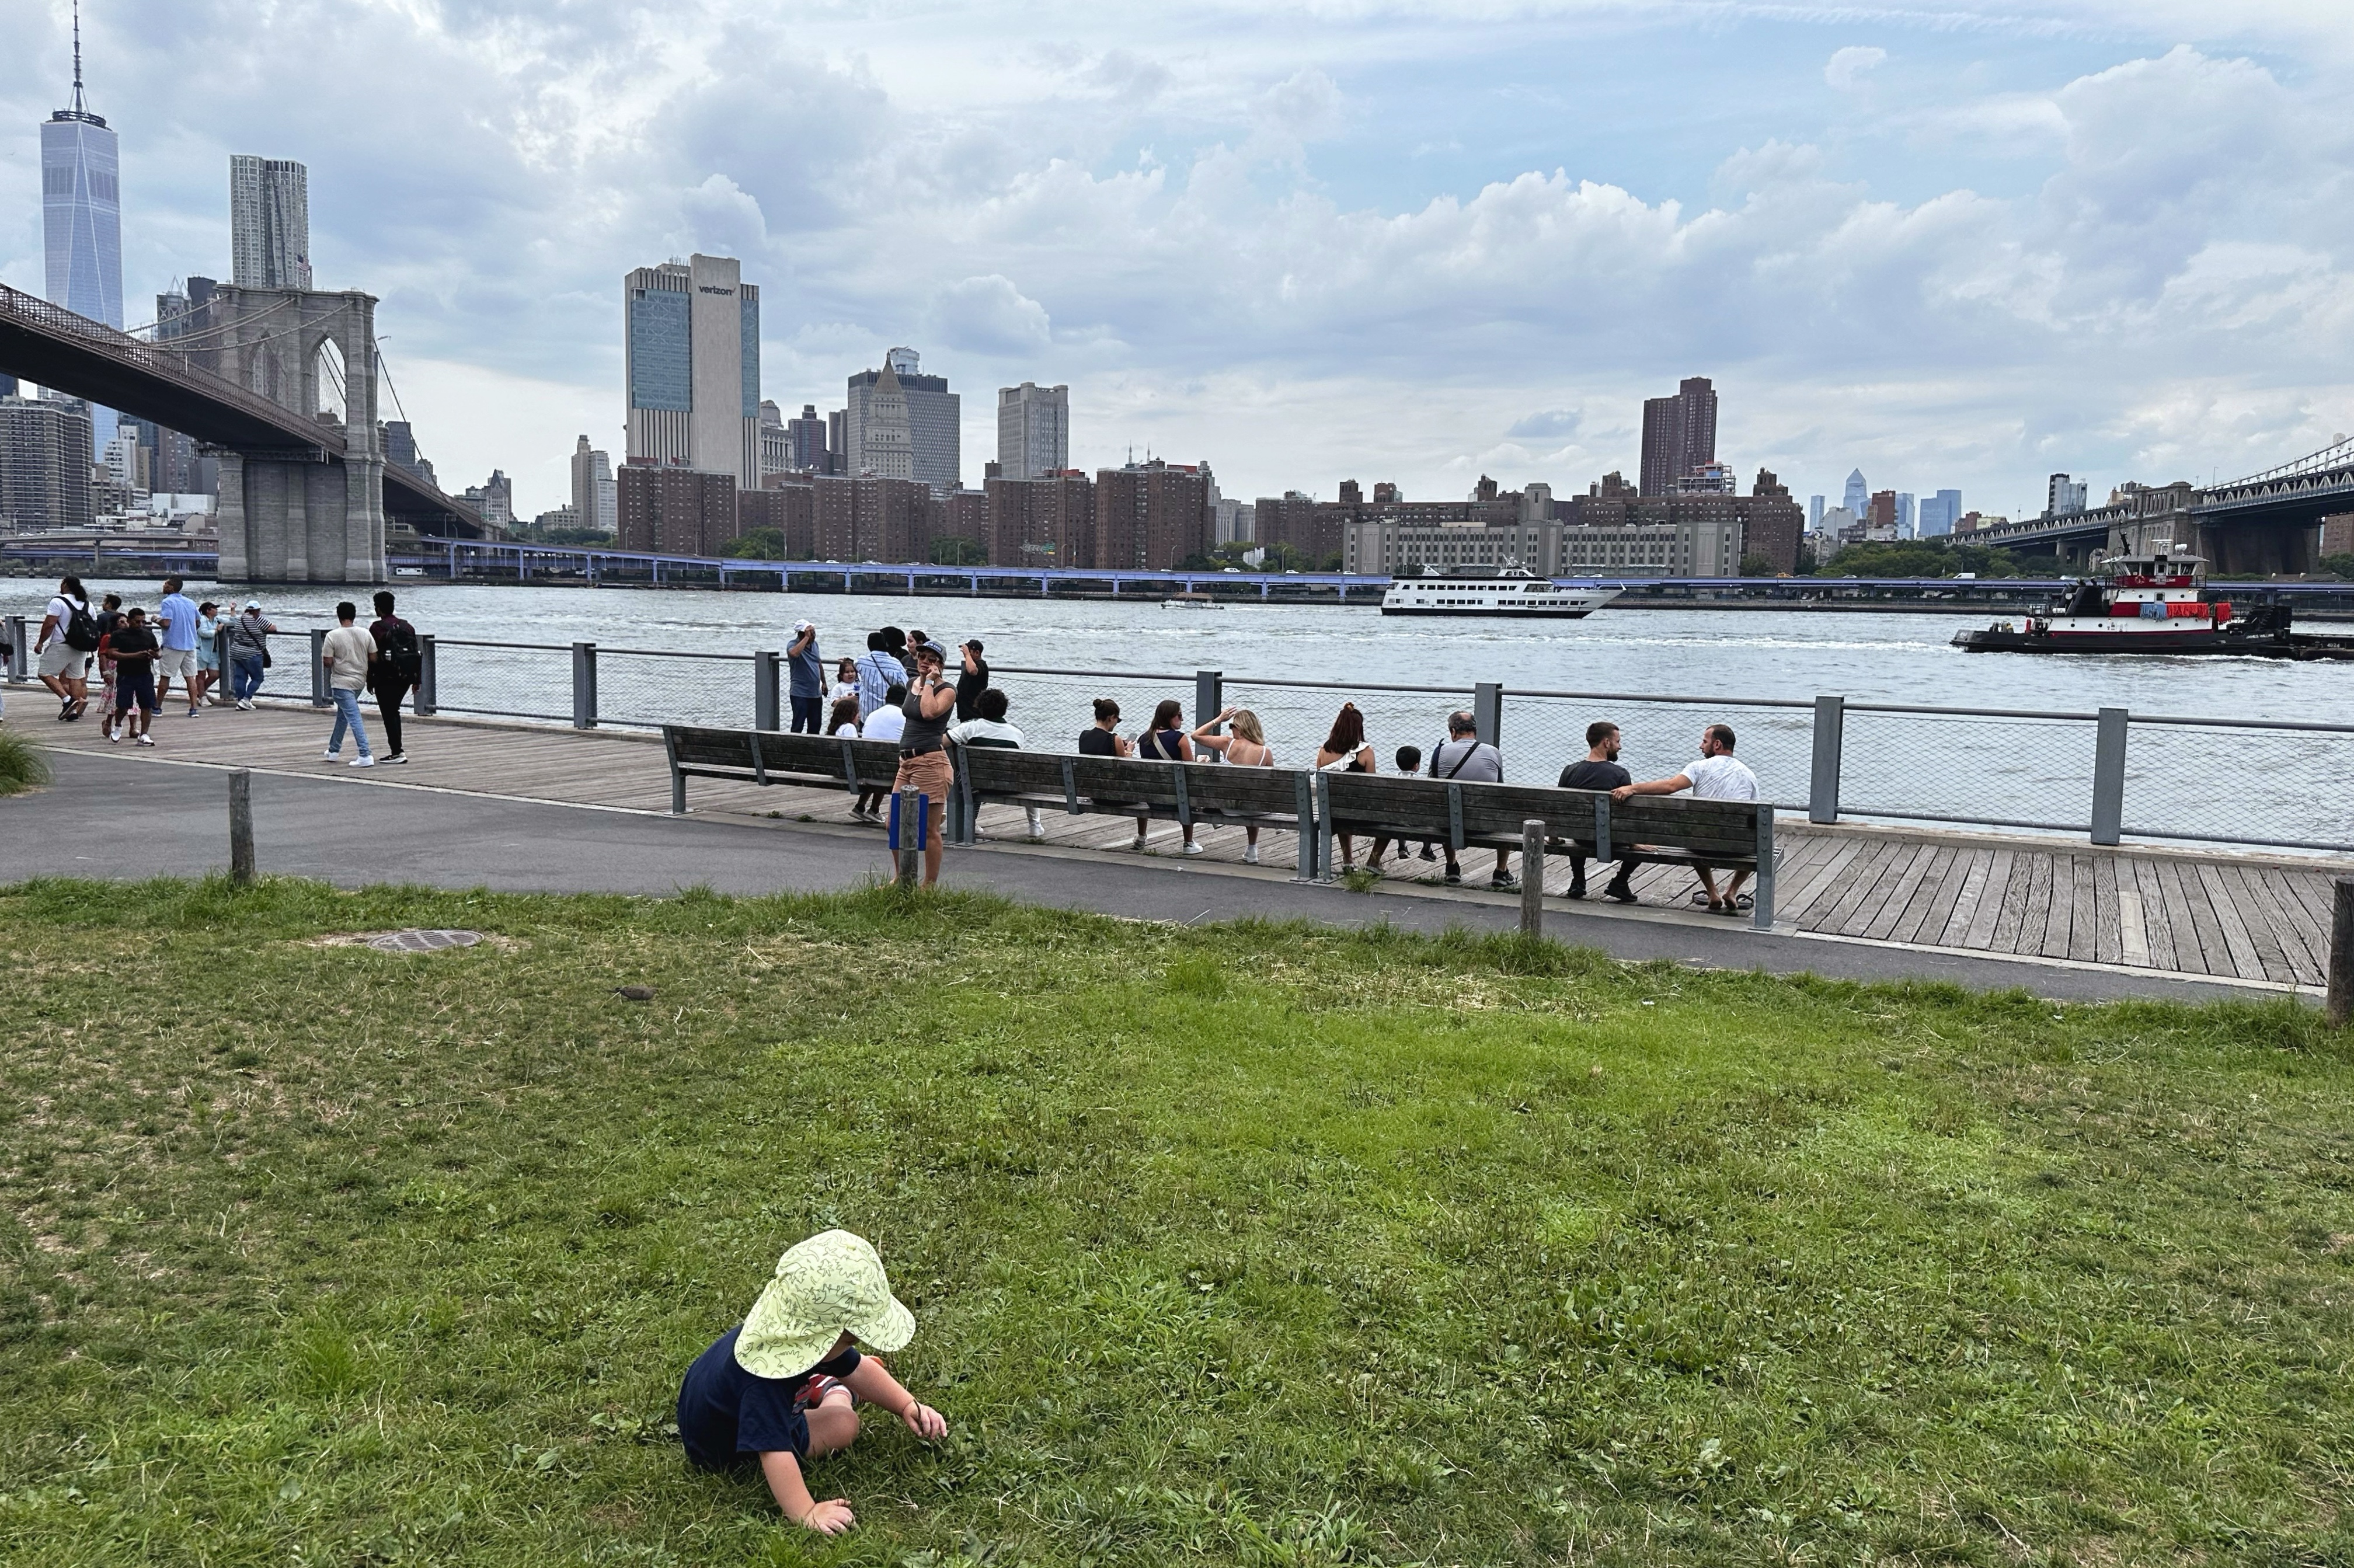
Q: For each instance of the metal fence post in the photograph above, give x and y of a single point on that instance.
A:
(428, 698)
(2341, 954)
(764, 689)
(318, 697)
(584, 685)
(16, 650)
(1830, 733)
(2109, 776)
(1209, 701)
(1488, 712)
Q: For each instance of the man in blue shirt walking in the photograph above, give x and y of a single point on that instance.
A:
(176, 624)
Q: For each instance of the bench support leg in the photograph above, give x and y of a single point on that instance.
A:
(678, 794)
(1763, 898)
(1323, 829)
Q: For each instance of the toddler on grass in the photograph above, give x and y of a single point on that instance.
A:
(779, 1388)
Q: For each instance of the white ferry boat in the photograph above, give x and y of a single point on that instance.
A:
(1511, 592)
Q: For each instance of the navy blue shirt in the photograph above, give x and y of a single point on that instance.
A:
(725, 1413)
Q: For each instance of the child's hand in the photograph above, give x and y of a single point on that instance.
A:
(829, 1518)
(924, 1421)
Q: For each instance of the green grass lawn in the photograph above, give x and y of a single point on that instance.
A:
(1247, 1244)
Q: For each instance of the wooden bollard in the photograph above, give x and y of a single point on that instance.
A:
(1532, 837)
(911, 857)
(240, 827)
(2340, 1011)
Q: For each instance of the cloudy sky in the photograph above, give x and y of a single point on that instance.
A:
(1954, 242)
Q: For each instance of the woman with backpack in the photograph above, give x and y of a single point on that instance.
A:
(400, 660)
(68, 636)
(249, 653)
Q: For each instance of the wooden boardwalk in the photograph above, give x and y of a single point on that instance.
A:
(2252, 918)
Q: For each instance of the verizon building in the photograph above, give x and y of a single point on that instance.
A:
(693, 366)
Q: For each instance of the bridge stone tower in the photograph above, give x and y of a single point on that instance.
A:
(304, 513)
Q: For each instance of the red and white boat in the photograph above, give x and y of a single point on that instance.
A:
(2152, 603)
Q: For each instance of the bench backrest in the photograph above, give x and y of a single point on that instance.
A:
(762, 755)
(1417, 807)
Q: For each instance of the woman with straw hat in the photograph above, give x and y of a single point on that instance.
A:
(779, 1388)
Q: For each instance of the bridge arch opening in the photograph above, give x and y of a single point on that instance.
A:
(327, 378)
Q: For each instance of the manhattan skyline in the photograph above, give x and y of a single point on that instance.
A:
(1954, 246)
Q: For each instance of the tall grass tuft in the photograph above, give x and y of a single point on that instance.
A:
(22, 766)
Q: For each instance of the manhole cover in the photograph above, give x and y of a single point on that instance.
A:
(414, 941)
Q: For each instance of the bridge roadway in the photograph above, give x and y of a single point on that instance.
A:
(2286, 500)
(523, 806)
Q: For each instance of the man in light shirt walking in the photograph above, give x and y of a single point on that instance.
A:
(1717, 776)
(176, 624)
(346, 653)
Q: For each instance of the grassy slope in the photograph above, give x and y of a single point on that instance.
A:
(1237, 1245)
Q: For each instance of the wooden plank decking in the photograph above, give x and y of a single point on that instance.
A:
(2253, 918)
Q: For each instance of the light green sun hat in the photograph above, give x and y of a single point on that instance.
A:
(831, 1282)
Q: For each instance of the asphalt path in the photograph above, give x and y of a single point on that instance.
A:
(125, 817)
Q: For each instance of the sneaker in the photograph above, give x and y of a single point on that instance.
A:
(330, 756)
(1576, 889)
(1453, 878)
(1504, 882)
(245, 707)
(1621, 893)
(1138, 847)
(147, 740)
(363, 762)
(396, 758)
(111, 733)
(1192, 848)
(1429, 854)
(1250, 854)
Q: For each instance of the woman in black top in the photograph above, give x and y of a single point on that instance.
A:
(930, 708)
(1167, 742)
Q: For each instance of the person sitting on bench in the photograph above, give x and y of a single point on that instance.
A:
(1715, 776)
(1600, 769)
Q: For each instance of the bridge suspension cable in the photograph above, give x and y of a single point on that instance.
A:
(2338, 454)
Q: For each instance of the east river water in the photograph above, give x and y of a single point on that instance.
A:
(1989, 770)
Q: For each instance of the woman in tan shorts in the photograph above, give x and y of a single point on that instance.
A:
(923, 750)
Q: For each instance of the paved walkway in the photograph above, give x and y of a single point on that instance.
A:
(1924, 898)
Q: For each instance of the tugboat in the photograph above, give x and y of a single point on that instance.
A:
(2148, 603)
(1512, 591)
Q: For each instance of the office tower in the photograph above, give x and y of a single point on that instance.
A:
(1033, 430)
(885, 437)
(268, 223)
(1949, 508)
(1679, 434)
(493, 500)
(400, 450)
(1815, 513)
(692, 357)
(775, 446)
(805, 440)
(2062, 495)
(45, 465)
(592, 488)
(934, 422)
(1904, 514)
(81, 219)
(1858, 498)
(837, 441)
(1880, 513)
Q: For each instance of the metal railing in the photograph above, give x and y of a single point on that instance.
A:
(2105, 776)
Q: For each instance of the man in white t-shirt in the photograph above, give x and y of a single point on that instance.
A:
(988, 728)
(1717, 776)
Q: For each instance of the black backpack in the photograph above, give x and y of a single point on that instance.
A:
(401, 651)
(81, 631)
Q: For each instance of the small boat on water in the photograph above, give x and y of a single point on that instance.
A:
(2152, 602)
(1511, 592)
(1190, 601)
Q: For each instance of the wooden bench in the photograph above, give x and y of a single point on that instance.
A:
(768, 756)
(1675, 830)
(1188, 793)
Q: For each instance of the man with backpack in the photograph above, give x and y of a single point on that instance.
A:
(69, 637)
(394, 668)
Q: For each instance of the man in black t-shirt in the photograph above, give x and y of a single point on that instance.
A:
(971, 681)
(1600, 771)
(392, 669)
(134, 647)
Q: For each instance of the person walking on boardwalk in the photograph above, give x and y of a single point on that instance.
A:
(923, 750)
(392, 669)
(109, 617)
(134, 649)
(1464, 756)
(209, 670)
(177, 621)
(346, 653)
(805, 679)
(783, 1387)
(1600, 769)
(1244, 746)
(1346, 750)
(249, 653)
(1717, 776)
(68, 636)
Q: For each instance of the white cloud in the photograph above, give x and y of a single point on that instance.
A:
(1847, 67)
(991, 316)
